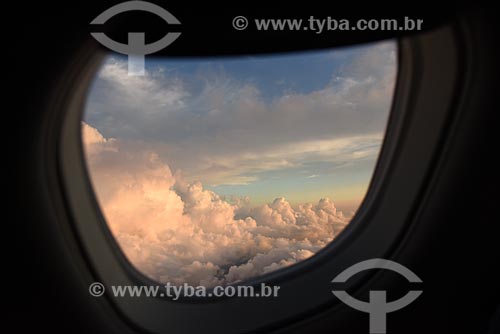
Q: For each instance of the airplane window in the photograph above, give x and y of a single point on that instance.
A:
(213, 171)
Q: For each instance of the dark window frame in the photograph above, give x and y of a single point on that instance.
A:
(418, 118)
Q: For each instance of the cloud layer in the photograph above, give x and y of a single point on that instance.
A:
(176, 231)
(226, 130)
(184, 144)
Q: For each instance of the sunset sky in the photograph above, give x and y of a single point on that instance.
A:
(303, 126)
(249, 138)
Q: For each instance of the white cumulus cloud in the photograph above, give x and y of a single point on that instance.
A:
(177, 231)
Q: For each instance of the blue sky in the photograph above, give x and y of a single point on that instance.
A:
(301, 126)
(275, 75)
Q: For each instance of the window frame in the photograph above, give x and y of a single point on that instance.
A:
(377, 230)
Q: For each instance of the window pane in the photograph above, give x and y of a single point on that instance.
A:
(213, 171)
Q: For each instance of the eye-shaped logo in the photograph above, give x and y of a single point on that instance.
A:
(377, 307)
(136, 48)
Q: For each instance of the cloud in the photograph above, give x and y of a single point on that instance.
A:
(171, 134)
(176, 231)
(224, 130)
